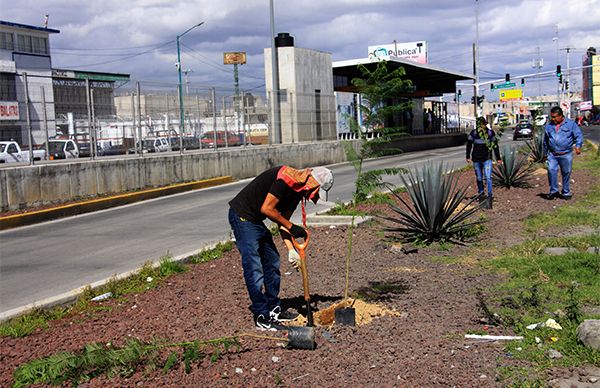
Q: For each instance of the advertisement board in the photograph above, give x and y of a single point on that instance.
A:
(9, 110)
(512, 94)
(596, 80)
(234, 58)
(585, 105)
(412, 51)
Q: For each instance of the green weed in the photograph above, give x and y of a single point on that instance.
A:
(146, 278)
(212, 254)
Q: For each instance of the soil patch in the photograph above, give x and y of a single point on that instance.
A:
(412, 333)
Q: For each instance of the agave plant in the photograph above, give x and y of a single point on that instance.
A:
(436, 211)
(535, 147)
(515, 170)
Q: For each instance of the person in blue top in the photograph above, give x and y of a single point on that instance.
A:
(560, 135)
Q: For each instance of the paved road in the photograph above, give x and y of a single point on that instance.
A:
(48, 259)
(592, 133)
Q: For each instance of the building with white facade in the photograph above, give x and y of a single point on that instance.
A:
(25, 55)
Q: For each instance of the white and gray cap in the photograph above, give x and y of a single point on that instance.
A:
(323, 176)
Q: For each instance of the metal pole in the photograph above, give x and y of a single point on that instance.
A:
(45, 121)
(476, 84)
(215, 124)
(476, 58)
(276, 118)
(135, 140)
(28, 117)
(139, 118)
(93, 128)
(181, 126)
(458, 108)
(225, 121)
(213, 97)
(88, 95)
(557, 62)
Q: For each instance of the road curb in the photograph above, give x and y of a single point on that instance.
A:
(34, 217)
(70, 296)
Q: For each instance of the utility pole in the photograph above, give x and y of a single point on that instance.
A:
(537, 64)
(557, 63)
(476, 60)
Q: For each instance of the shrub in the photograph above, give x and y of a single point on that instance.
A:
(436, 211)
(514, 171)
(535, 147)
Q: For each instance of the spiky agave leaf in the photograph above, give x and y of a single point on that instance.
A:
(434, 211)
(535, 147)
(514, 171)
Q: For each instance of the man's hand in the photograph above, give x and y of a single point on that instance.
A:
(578, 150)
(499, 161)
(298, 231)
(469, 161)
(294, 259)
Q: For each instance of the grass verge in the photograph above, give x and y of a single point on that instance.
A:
(539, 286)
(147, 277)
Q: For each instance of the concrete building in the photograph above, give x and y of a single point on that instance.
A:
(25, 54)
(306, 99)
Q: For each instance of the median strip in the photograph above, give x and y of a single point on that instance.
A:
(37, 216)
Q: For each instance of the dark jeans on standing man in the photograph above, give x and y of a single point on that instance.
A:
(260, 262)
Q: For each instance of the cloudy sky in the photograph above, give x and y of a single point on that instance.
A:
(138, 36)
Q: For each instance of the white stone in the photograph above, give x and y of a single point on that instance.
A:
(588, 332)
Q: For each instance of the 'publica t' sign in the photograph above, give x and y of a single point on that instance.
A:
(412, 51)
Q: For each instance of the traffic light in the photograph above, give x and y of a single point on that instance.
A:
(560, 79)
(558, 71)
(472, 99)
(522, 81)
(507, 77)
(491, 86)
(567, 85)
(480, 99)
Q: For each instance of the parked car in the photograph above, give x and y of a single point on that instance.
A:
(85, 150)
(523, 131)
(10, 152)
(156, 144)
(62, 149)
(116, 149)
(223, 139)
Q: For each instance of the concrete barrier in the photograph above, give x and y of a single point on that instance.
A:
(30, 186)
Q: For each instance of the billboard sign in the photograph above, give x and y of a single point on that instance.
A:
(9, 110)
(596, 80)
(412, 51)
(234, 58)
(513, 94)
(585, 105)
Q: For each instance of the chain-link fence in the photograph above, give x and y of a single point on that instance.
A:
(108, 117)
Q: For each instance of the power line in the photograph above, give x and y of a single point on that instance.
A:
(121, 59)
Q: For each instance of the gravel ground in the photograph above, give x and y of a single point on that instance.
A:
(421, 343)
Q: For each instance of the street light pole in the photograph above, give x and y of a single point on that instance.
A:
(181, 109)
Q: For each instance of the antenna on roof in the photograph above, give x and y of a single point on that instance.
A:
(46, 21)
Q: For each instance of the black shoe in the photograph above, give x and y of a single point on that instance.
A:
(283, 316)
(551, 196)
(567, 197)
(482, 198)
(269, 324)
(490, 201)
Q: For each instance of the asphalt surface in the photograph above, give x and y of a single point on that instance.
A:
(52, 258)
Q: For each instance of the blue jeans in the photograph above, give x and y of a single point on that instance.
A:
(565, 162)
(260, 262)
(483, 169)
